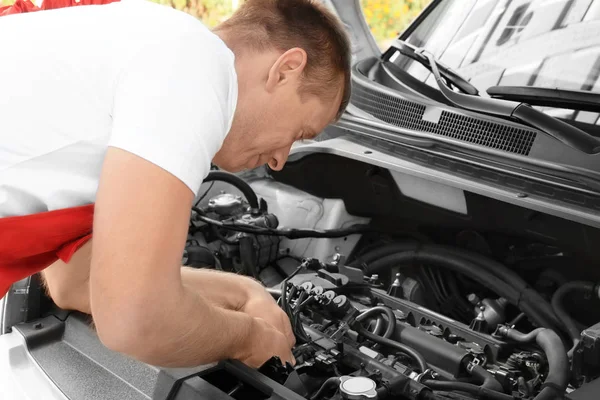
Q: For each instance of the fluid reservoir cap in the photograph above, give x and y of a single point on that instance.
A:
(357, 388)
(226, 204)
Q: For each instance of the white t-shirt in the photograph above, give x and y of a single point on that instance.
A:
(134, 75)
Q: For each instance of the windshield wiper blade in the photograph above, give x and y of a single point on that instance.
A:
(565, 133)
(547, 97)
(411, 52)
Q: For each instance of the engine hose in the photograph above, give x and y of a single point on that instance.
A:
(486, 379)
(464, 267)
(276, 293)
(379, 324)
(495, 268)
(479, 391)
(391, 318)
(239, 183)
(328, 385)
(558, 362)
(409, 351)
(558, 304)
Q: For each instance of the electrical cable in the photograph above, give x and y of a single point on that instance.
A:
(526, 299)
(470, 388)
(288, 233)
(297, 327)
(559, 308)
(522, 292)
(328, 385)
(239, 183)
(409, 351)
(204, 194)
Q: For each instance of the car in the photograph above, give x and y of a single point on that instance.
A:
(439, 241)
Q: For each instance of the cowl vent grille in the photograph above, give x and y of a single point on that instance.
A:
(409, 115)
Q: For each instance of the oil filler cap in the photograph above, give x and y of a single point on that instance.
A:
(357, 388)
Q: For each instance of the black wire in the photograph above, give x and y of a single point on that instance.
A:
(297, 327)
(223, 238)
(289, 233)
(328, 385)
(205, 193)
(412, 353)
(468, 388)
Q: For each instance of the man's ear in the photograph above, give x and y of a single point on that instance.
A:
(287, 68)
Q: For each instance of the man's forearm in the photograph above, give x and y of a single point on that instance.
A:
(224, 289)
(187, 330)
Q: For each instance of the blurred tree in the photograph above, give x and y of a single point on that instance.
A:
(211, 12)
(386, 18)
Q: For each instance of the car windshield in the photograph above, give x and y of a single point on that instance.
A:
(539, 43)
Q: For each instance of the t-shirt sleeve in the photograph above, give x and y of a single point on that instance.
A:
(173, 105)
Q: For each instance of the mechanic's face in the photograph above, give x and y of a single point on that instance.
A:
(272, 114)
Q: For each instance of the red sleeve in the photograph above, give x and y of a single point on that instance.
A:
(66, 251)
(52, 4)
(20, 6)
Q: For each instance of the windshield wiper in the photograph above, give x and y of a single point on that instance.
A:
(559, 98)
(411, 52)
(565, 133)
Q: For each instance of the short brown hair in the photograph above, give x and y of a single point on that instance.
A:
(285, 24)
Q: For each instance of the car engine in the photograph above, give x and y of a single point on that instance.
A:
(394, 317)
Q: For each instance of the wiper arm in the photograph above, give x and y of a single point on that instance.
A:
(409, 51)
(565, 133)
(559, 98)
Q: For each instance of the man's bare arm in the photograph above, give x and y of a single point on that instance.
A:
(68, 285)
(138, 301)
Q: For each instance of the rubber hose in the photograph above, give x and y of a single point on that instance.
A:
(558, 304)
(391, 318)
(238, 182)
(547, 394)
(524, 337)
(379, 324)
(495, 268)
(464, 267)
(486, 379)
(478, 391)
(558, 361)
(412, 353)
(326, 386)
(499, 270)
(428, 396)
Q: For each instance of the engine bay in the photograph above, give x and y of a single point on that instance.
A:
(395, 314)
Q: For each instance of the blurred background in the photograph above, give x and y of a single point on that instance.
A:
(386, 18)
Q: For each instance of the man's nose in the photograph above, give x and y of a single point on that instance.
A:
(279, 158)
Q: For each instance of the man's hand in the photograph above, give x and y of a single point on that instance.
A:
(260, 304)
(238, 293)
(264, 342)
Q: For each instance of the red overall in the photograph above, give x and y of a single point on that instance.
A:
(30, 243)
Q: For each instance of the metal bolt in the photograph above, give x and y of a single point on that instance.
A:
(473, 299)
(38, 325)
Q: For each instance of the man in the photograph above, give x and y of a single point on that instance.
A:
(124, 106)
